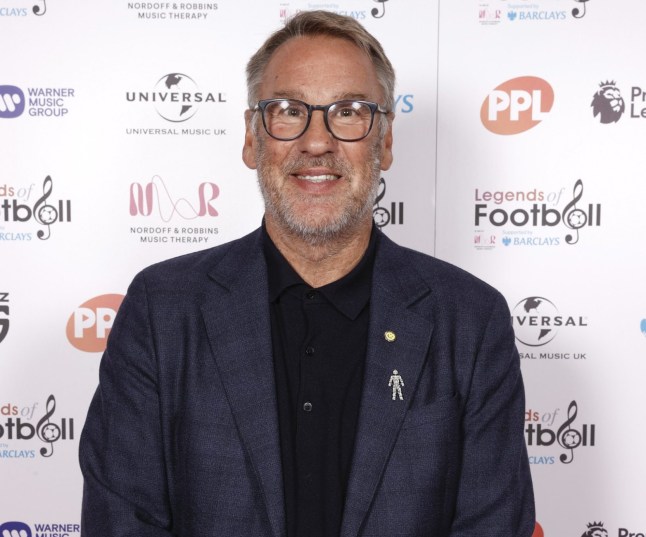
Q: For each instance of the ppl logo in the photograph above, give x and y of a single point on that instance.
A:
(90, 324)
(517, 105)
(15, 529)
(538, 531)
(12, 102)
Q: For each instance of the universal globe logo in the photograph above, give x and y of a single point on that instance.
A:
(537, 321)
(176, 97)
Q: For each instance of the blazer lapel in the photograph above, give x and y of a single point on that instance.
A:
(236, 316)
(396, 288)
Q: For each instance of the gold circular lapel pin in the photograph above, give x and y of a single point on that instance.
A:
(390, 336)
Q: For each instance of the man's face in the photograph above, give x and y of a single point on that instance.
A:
(316, 186)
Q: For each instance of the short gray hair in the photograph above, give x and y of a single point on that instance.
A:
(323, 23)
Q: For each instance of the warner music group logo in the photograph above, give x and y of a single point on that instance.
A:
(537, 321)
(175, 11)
(17, 208)
(517, 105)
(153, 201)
(21, 423)
(552, 430)
(39, 102)
(608, 104)
(532, 218)
(40, 529)
(176, 98)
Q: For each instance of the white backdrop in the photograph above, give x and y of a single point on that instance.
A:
(499, 157)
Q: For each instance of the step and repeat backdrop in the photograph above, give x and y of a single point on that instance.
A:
(520, 150)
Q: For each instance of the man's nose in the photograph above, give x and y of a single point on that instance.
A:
(317, 139)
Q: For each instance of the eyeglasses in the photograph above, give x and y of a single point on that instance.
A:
(347, 121)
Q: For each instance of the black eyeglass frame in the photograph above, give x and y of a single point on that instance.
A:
(374, 107)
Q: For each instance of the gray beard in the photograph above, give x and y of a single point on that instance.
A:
(342, 227)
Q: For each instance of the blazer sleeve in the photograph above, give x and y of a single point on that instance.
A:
(125, 492)
(495, 495)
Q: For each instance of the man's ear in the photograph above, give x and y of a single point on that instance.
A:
(387, 145)
(249, 147)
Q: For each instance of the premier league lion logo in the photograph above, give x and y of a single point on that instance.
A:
(595, 529)
(608, 103)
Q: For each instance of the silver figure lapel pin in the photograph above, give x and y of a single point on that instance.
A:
(397, 383)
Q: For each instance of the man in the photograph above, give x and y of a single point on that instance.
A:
(312, 378)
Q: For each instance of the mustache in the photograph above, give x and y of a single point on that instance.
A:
(332, 162)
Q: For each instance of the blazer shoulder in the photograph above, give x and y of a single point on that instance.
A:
(445, 280)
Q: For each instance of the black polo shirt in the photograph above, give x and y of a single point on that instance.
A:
(319, 339)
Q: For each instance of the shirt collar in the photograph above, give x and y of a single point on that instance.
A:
(349, 294)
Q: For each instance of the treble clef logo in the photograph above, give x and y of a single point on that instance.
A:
(578, 13)
(48, 432)
(380, 215)
(375, 11)
(44, 213)
(574, 218)
(38, 10)
(569, 438)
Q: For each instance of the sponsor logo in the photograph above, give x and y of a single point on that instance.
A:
(4, 316)
(39, 8)
(12, 102)
(517, 105)
(184, 11)
(285, 10)
(537, 15)
(90, 324)
(40, 529)
(537, 321)
(384, 216)
(489, 16)
(538, 531)
(607, 103)
(642, 326)
(404, 104)
(532, 217)
(39, 102)
(154, 201)
(545, 432)
(597, 529)
(19, 424)
(16, 209)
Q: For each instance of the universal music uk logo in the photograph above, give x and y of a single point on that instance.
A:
(530, 218)
(384, 216)
(19, 424)
(16, 208)
(546, 432)
(176, 97)
(537, 321)
(155, 202)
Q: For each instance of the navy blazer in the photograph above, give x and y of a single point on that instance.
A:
(181, 438)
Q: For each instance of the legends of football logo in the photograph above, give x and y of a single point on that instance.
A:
(19, 424)
(512, 212)
(549, 430)
(4, 316)
(607, 103)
